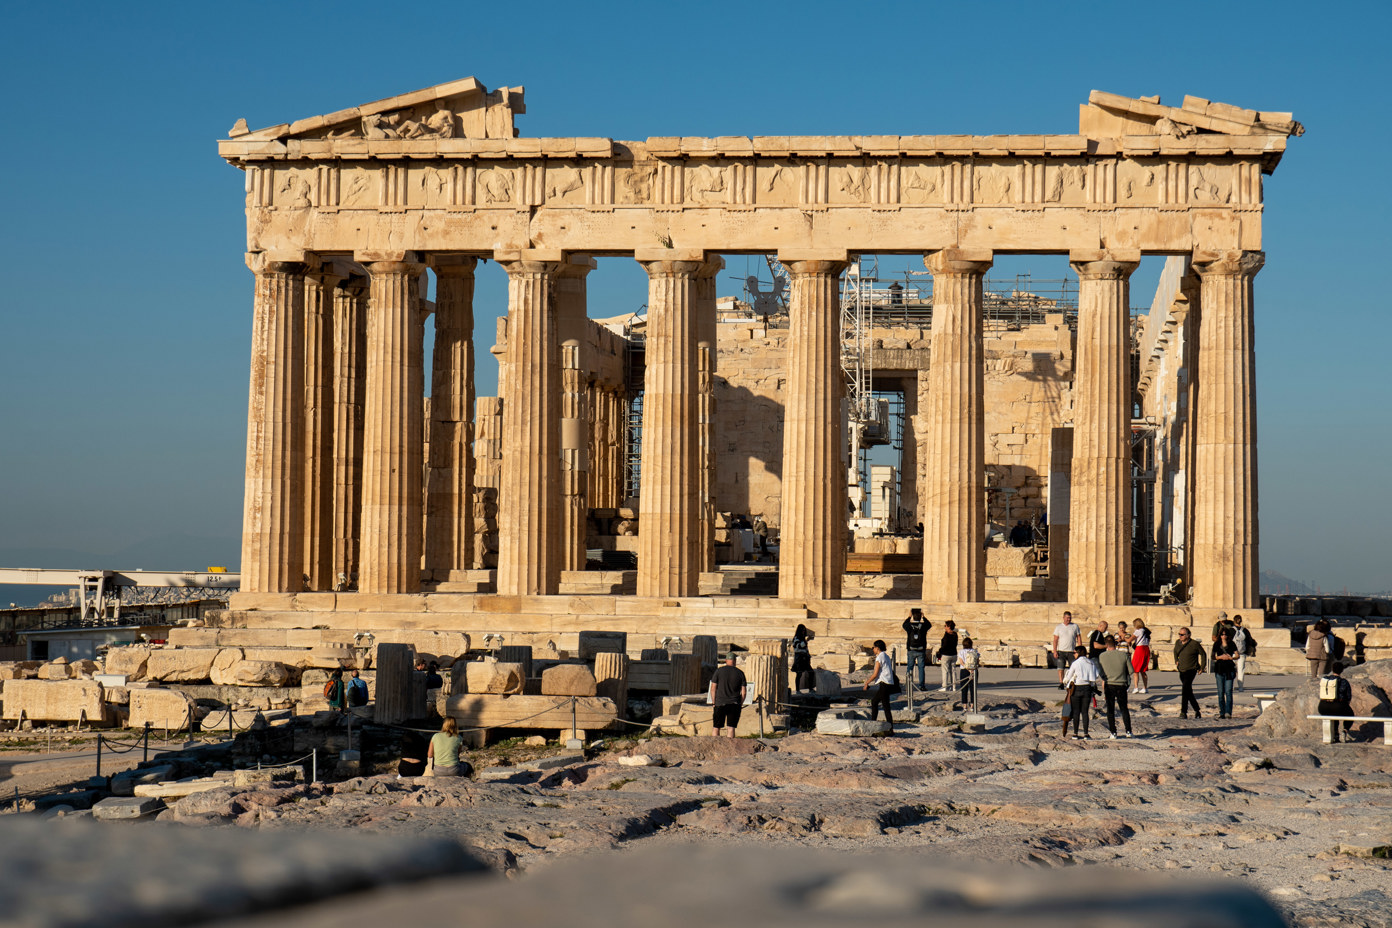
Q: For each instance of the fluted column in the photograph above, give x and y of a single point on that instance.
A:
(811, 552)
(1099, 531)
(273, 507)
(706, 355)
(953, 492)
(529, 492)
(393, 430)
(319, 412)
(1224, 549)
(349, 382)
(572, 322)
(669, 494)
(449, 501)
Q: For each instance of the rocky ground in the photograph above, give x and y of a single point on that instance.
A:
(1307, 825)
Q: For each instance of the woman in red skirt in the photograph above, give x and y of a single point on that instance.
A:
(1140, 657)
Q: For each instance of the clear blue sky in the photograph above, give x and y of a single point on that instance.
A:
(126, 311)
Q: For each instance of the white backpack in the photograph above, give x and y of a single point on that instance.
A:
(1329, 687)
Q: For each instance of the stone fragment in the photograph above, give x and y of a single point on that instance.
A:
(126, 808)
(53, 701)
(220, 673)
(568, 680)
(56, 670)
(161, 709)
(494, 677)
(124, 783)
(180, 665)
(849, 723)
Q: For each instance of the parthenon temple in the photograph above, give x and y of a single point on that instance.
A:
(608, 485)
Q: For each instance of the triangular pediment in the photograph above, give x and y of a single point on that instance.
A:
(462, 109)
(1109, 115)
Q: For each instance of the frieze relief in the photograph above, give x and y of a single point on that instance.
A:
(706, 185)
(994, 184)
(922, 184)
(565, 185)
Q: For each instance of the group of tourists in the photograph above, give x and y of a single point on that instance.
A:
(956, 655)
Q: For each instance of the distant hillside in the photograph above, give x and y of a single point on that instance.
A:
(1275, 583)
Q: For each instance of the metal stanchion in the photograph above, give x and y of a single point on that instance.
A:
(99, 753)
(146, 756)
(314, 766)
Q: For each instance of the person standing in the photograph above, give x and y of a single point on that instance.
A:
(916, 646)
(947, 657)
(803, 675)
(1115, 665)
(1189, 658)
(1065, 639)
(883, 680)
(1225, 654)
(1097, 640)
(727, 692)
(1140, 656)
(1316, 647)
(1080, 679)
(335, 691)
(1244, 641)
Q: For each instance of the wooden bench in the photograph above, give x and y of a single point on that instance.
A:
(1328, 723)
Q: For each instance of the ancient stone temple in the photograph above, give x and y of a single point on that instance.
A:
(365, 500)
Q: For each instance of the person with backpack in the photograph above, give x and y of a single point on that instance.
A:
(969, 660)
(804, 676)
(334, 691)
(1336, 697)
(916, 645)
(357, 690)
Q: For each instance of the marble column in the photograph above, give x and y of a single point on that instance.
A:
(393, 429)
(1225, 539)
(572, 322)
(706, 355)
(669, 493)
(529, 492)
(1099, 557)
(954, 486)
(449, 501)
(349, 381)
(319, 403)
(274, 508)
(812, 547)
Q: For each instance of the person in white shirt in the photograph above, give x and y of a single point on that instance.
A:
(884, 677)
(1240, 638)
(1065, 639)
(1079, 679)
(969, 659)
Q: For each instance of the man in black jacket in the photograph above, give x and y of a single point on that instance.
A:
(916, 627)
(1189, 658)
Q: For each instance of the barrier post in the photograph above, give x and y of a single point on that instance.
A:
(147, 742)
(99, 753)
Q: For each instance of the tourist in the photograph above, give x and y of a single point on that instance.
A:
(882, 678)
(1123, 639)
(1336, 697)
(1021, 536)
(969, 660)
(357, 690)
(413, 755)
(1082, 675)
(1189, 658)
(727, 693)
(1224, 665)
(803, 674)
(1115, 666)
(1097, 640)
(334, 690)
(1140, 657)
(443, 752)
(1065, 638)
(916, 628)
(1316, 649)
(1246, 647)
(433, 680)
(947, 656)
(1222, 623)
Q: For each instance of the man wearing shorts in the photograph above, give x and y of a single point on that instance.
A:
(1065, 639)
(727, 691)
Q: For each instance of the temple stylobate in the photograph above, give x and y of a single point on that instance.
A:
(362, 496)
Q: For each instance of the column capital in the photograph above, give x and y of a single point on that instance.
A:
(674, 262)
(354, 285)
(281, 262)
(576, 266)
(963, 261)
(796, 255)
(1228, 263)
(1104, 264)
(452, 265)
(388, 257)
(805, 266)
